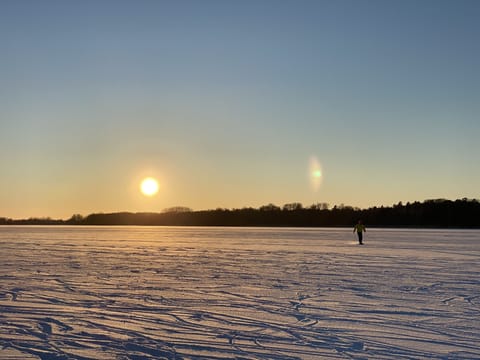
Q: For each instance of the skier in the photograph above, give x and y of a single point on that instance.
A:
(359, 228)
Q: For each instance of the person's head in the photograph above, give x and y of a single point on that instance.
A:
(359, 221)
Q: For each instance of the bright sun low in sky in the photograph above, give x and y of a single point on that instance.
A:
(149, 186)
(236, 104)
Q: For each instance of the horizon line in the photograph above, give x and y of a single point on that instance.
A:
(272, 206)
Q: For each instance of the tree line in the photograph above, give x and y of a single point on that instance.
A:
(461, 213)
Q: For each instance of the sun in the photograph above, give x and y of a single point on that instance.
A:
(149, 186)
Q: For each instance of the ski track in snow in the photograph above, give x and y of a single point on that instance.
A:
(232, 293)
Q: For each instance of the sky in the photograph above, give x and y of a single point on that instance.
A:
(232, 104)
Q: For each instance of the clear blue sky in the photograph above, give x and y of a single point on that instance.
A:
(226, 103)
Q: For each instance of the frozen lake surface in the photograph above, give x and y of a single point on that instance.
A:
(238, 293)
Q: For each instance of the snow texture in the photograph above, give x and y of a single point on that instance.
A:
(238, 293)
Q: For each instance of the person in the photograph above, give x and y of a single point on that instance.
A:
(359, 228)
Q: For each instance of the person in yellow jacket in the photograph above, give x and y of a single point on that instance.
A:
(359, 228)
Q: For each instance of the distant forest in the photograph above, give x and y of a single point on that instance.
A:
(464, 213)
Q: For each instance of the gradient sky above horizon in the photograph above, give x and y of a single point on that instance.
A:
(227, 103)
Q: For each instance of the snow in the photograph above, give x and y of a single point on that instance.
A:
(238, 293)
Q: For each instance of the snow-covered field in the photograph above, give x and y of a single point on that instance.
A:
(238, 293)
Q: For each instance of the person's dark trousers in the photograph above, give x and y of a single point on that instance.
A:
(360, 237)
